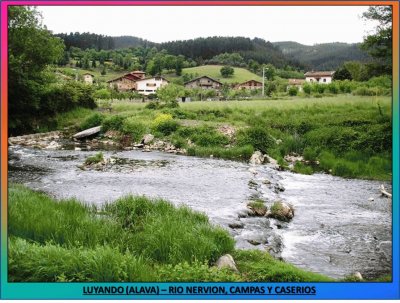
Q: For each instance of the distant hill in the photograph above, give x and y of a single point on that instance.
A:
(240, 75)
(326, 56)
(131, 41)
(206, 48)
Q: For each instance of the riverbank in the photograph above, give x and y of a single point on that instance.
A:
(348, 136)
(131, 239)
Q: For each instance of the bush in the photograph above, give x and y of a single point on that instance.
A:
(301, 168)
(103, 94)
(293, 91)
(134, 128)
(112, 123)
(153, 105)
(333, 88)
(256, 136)
(93, 120)
(307, 89)
(165, 124)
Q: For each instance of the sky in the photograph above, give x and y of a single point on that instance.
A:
(307, 25)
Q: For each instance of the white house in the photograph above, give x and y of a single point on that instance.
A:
(149, 85)
(88, 78)
(319, 77)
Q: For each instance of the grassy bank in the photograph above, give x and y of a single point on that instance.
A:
(131, 239)
(346, 135)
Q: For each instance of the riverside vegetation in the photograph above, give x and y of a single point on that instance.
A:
(348, 136)
(132, 239)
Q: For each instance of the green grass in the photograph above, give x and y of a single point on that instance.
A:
(132, 239)
(355, 132)
(240, 75)
(97, 158)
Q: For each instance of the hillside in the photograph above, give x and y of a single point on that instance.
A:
(326, 56)
(213, 71)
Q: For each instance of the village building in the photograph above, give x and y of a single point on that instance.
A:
(88, 78)
(148, 86)
(297, 83)
(319, 77)
(203, 82)
(250, 84)
(126, 82)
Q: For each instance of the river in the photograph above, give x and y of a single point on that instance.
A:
(336, 230)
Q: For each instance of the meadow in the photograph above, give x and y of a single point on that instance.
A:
(345, 135)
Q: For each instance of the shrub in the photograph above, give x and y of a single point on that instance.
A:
(307, 89)
(112, 123)
(134, 128)
(103, 93)
(333, 88)
(256, 136)
(165, 124)
(293, 91)
(93, 120)
(153, 105)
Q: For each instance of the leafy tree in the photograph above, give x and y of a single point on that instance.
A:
(227, 71)
(169, 93)
(31, 47)
(342, 73)
(357, 70)
(379, 45)
(270, 71)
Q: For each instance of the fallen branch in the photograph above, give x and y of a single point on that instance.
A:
(384, 192)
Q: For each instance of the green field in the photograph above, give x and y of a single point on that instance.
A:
(213, 71)
(111, 74)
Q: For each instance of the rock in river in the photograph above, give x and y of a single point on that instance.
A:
(87, 132)
(281, 211)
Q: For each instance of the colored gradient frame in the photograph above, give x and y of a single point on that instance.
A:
(334, 290)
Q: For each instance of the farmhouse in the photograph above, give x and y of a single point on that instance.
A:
(149, 85)
(250, 84)
(203, 82)
(88, 78)
(127, 82)
(319, 77)
(297, 83)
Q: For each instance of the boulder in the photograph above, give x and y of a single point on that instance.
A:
(226, 261)
(257, 158)
(273, 163)
(87, 132)
(281, 211)
(236, 224)
(357, 275)
(148, 138)
(254, 242)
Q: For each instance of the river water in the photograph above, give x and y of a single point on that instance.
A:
(336, 229)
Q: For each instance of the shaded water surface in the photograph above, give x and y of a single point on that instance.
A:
(336, 229)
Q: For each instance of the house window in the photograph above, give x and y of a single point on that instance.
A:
(324, 80)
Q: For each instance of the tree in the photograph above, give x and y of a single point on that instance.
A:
(357, 70)
(169, 93)
(227, 71)
(342, 73)
(379, 44)
(31, 47)
(270, 71)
